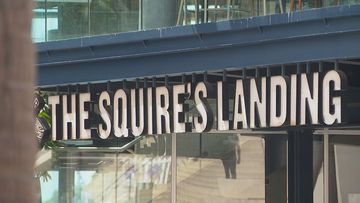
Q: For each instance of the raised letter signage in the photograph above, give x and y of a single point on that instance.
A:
(277, 101)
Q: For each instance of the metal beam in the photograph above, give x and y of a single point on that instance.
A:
(328, 33)
(300, 166)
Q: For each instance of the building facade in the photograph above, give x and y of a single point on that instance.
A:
(198, 100)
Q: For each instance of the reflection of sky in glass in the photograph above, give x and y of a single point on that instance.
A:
(38, 32)
(83, 178)
(50, 188)
(38, 25)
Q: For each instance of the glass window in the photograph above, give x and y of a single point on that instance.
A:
(221, 167)
(318, 168)
(67, 19)
(159, 13)
(113, 16)
(344, 167)
(38, 23)
(49, 184)
(99, 174)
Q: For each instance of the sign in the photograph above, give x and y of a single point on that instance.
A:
(265, 102)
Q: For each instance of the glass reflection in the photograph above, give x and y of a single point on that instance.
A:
(231, 156)
(109, 16)
(81, 174)
(219, 167)
(344, 168)
(38, 32)
(65, 19)
(68, 19)
(318, 168)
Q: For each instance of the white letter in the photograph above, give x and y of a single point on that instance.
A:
(69, 117)
(329, 119)
(293, 99)
(239, 116)
(312, 101)
(201, 122)
(221, 123)
(278, 81)
(123, 130)
(179, 127)
(53, 101)
(255, 101)
(150, 111)
(84, 133)
(137, 130)
(162, 110)
(104, 99)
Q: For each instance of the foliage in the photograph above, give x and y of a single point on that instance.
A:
(46, 143)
